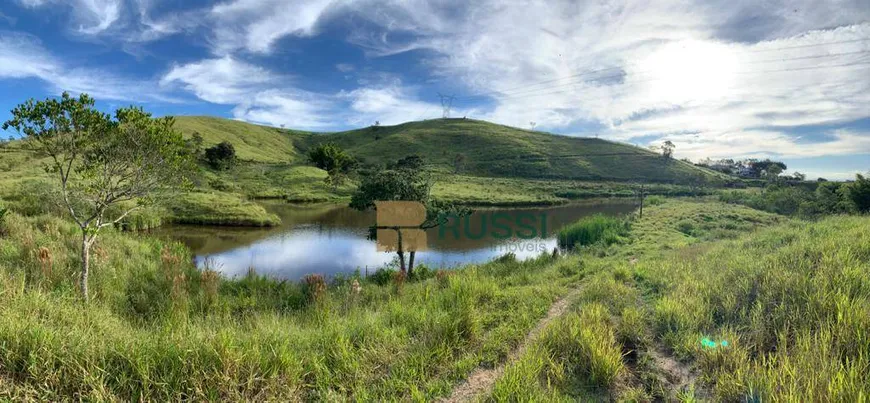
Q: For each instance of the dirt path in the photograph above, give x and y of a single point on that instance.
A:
(483, 379)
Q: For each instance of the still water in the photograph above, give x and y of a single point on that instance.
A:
(331, 239)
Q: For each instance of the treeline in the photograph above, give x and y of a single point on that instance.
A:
(807, 200)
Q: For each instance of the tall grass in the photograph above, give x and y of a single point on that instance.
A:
(596, 229)
(159, 329)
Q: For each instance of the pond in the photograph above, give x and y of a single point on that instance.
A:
(332, 239)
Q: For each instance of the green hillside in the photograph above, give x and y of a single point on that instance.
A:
(252, 142)
(486, 149)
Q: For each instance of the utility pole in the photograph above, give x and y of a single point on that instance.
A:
(446, 104)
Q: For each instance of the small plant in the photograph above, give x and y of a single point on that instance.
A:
(399, 279)
(315, 288)
(210, 280)
(686, 227)
(442, 277)
(593, 230)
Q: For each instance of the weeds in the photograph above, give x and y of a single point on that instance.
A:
(596, 229)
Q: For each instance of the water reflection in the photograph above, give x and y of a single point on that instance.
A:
(330, 239)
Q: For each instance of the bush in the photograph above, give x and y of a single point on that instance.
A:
(221, 156)
(314, 286)
(592, 230)
(859, 193)
(827, 198)
(37, 197)
(686, 227)
(655, 200)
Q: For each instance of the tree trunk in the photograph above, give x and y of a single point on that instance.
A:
(411, 262)
(86, 265)
(401, 253)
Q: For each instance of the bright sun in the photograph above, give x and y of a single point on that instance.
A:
(690, 70)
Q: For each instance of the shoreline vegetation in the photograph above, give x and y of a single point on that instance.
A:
(170, 331)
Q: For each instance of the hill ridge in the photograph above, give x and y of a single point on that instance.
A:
(457, 145)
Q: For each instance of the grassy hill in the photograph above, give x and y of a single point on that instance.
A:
(487, 149)
(252, 142)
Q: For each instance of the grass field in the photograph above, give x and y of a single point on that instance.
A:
(780, 315)
(168, 331)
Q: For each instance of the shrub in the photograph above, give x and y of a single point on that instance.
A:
(655, 200)
(859, 193)
(382, 276)
(222, 185)
(686, 227)
(314, 288)
(221, 156)
(592, 230)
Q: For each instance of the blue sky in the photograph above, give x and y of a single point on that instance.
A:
(736, 78)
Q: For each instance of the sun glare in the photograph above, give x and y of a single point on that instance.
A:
(690, 71)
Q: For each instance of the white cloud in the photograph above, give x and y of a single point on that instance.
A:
(291, 108)
(223, 80)
(642, 69)
(22, 56)
(257, 94)
(255, 25)
(345, 67)
(91, 17)
(389, 105)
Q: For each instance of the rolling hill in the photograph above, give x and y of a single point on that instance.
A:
(483, 149)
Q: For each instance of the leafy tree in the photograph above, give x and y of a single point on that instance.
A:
(102, 161)
(221, 156)
(668, 149)
(765, 167)
(772, 172)
(329, 157)
(407, 185)
(831, 198)
(799, 176)
(859, 193)
(336, 162)
(195, 144)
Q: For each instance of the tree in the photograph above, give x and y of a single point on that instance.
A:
(772, 172)
(335, 161)
(330, 157)
(195, 144)
(221, 156)
(764, 168)
(102, 161)
(859, 193)
(799, 176)
(404, 184)
(668, 149)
